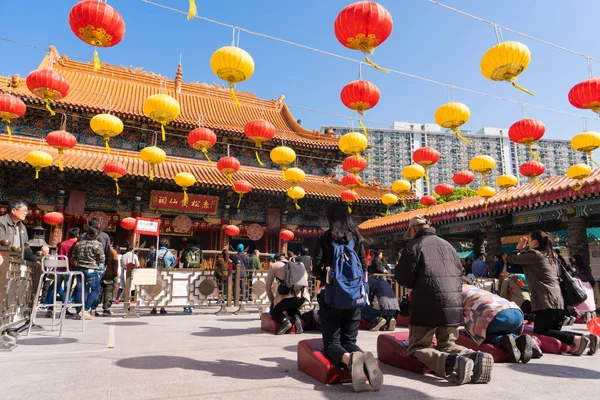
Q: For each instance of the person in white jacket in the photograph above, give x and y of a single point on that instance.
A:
(129, 260)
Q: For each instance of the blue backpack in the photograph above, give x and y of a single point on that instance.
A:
(346, 287)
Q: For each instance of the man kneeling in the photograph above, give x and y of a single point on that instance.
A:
(430, 266)
(286, 289)
(384, 307)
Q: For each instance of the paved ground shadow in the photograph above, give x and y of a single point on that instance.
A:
(233, 319)
(293, 348)
(556, 371)
(428, 379)
(126, 323)
(220, 332)
(46, 341)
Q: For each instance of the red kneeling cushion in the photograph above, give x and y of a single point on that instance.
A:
(313, 362)
(499, 354)
(549, 345)
(268, 324)
(392, 349)
(402, 320)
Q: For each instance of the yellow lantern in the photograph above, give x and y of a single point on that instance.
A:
(296, 193)
(38, 159)
(506, 182)
(505, 61)
(283, 156)
(353, 143)
(486, 192)
(163, 109)
(586, 142)
(185, 180)
(401, 187)
(389, 199)
(294, 176)
(152, 155)
(452, 116)
(413, 173)
(233, 65)
(482, 165)
(579, 172)
(107, 126)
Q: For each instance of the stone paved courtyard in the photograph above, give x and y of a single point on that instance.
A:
(204, 356)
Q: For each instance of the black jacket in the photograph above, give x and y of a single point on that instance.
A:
(307, 261)
(430, 266)
(324, 255)
(376, 267)
(8, 230)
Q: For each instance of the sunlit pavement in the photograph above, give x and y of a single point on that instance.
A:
(203, 356)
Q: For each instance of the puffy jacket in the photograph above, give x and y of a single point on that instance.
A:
(89, 254)
(324, 255)
(430, 266)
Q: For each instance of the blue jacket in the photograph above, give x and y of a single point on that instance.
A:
(480, 269)
(170, 259)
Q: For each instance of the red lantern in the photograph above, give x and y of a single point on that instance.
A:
(228, 166)
(428, 201)
(128, 223)
(349, 196)
(351, 181)
(53, 218)
(202, 139)
(97, 24)
(61, 140)
(532, 170)
(241, 187)
(286, 235)
(426, 157)
(463, 178)
(115, 170)
(527, 132)
(363, 26)
(586, 95)
(11, 107)
(444, 190)
(48, 85)
(360, 96)
(354, 165)
(232, 230)
(259, 130)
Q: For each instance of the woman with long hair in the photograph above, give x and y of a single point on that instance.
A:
(340, 326)
(542, 270)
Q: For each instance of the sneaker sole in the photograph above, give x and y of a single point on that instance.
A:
(593, 346)
(283, 332)
(379, 325)
(359, 378)
(373, 372)
(392, 326)
(583, 345)
(482, 368)
(526, 349)
(514, 355)
(467, 365)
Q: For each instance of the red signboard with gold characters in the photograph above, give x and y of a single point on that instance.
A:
(198, 204)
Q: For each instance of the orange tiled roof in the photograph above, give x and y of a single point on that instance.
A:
(552, 190)
(93, 158)
(124, 90)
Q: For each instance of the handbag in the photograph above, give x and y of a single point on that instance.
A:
(573, 293)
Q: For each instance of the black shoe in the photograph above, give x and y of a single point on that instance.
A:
(509, 344)
(285, 326)
(153, 312)
(298, 325)
(536, 351)
(163, 311)
(372, 371)
(482, 367)
(357, 370)
(525, 346)
(462, 371)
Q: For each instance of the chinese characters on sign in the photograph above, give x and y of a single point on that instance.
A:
(145, 226)
(198, 204)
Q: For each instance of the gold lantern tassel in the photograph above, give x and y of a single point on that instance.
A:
(8, 131)
(106, 139)
(403, 202)
(364, 128)
(37, 172)
(49, 101)
(205, 151)
(152, 172)
(416, 188)
(515, 84)
(483, 174)
(486, 205)
(117, 186)
(296, 204)
(387, 212)
(230, 176)
(371, 63)
(59, 161)
(533, 153)
(534, 180)
(258, 158)
(185, 197)
(193, 11)
(96, 61)
(349, 208)
(283, 174)
(233, 96)
(426, 177)
(507, 194)
(240, 200)
(578, 187)
(461, 137)
(589, 153)
(162, 130)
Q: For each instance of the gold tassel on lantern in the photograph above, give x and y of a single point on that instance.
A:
(48, 102)
(371, 63)
(193, 10)
(152, 172)
(533, 153)
(258, 157)
(96, 61)
(59, 161)
(240, 200)
(162, 130)
(461, 137)
(364, 128)
(185, 197)
(8, 130)
(230, 177)
(37, 172)
(205, 151)
(117, 186)
(106, 139)
(516, 85)
(295, 203)
(234, 97)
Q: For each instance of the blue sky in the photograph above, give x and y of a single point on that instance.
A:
(426, 40)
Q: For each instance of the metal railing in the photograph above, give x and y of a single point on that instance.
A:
(16, 289)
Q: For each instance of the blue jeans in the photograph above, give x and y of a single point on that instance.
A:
(60, 281)
(101, 271)
(91, 290)
(506, 322)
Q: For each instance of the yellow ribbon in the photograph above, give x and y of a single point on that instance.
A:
(106, 139)
(364, 128)
(49, 101)
(193, 11)
(162, 129)
(240, 200)
(185, 197)
(117, 186)
(521, 87)
(461, 137)
(96, 61)
(234, 97)
(37, 172)
(533, 153)
(371, 63)
(205, 151)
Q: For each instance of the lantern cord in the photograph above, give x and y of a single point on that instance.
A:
(364, 128)
(534, 154)
(117, 186)
(162, 130)
(461, 137)
(48, 102)
(185, 197)
(205, 151)
(193, 10)
(106, 145)
(37, 172)
(371, 63)
(96, 61)
(234, 97)
(515, 84)
(8, 131)
(240, 200)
